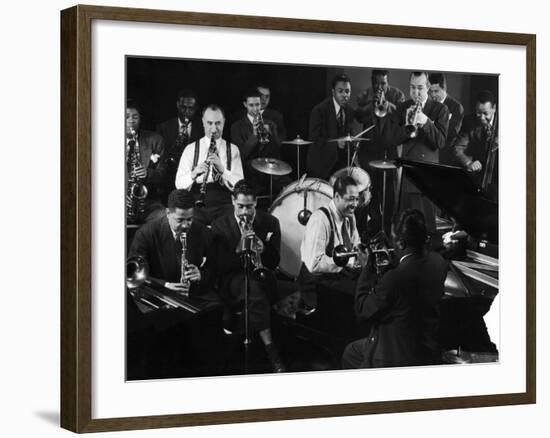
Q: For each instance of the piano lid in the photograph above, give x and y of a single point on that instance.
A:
(454, 192)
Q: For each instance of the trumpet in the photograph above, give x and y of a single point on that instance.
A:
(383, 253)
(261, 131)
(341, 254)
(410, 123)
(184, 261)
(380, 103)
(251, 244)
(136, 190)
(202, 196)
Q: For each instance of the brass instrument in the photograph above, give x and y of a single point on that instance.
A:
(202, 196)
(380, 103)
(341, 255)
(136, 190)
(184, 262)
(250, 242)
(262, 133)
(410, 123)
(379, 247)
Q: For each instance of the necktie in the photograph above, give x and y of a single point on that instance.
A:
(340, 118)
(345, 234)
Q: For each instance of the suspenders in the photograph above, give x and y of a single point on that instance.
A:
(227, 154)
(330, 246)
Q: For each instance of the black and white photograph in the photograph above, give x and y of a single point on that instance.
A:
(290, 218)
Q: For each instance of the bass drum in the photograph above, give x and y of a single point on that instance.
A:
(360, 176)
(286, 208)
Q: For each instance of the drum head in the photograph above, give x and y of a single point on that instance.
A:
(360, 176)
(286, 208)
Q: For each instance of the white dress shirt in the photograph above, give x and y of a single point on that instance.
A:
(228, 177)
(317, 236)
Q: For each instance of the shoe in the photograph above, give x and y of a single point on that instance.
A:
(275, 359)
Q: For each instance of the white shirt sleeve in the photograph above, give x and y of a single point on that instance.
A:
(231, 177)
(314, 245)
(183, 175)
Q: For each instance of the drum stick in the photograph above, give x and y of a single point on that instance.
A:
(364, 132)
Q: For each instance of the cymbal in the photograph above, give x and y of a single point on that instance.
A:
(271, 166)
(383, 164)
(297, 141)
(349, 138)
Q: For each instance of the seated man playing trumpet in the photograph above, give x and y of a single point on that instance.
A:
(331, 231)
(263, 230)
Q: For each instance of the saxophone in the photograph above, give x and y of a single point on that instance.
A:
(136, 190)
(202, 196)
(184, 261)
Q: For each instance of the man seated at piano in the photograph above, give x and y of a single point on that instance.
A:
(402, 306)
(232, 232)
(330, 227)
(177, 250)
(477, 147)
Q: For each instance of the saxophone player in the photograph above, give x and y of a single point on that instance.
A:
(159, 244)
(145, 165)
(420, 125)
(215, 159)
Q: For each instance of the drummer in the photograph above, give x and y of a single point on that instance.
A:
(327, 228)
(256, 137)
(330, 119)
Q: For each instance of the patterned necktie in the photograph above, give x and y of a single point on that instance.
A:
(341, 122)
(345, 234)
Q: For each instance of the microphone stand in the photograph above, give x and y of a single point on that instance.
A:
(245, 252)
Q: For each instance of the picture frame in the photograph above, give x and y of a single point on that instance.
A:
(77, 169)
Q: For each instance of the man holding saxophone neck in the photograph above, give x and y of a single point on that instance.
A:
(213, 158)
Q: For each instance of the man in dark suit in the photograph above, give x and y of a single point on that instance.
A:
(270, 113)
(256, 136)
(330, 119)
(159, 243)
(477, 147)
(148, 170)
(438, 92)
(231, 231)
(177, 133)
(174, 344)
(420, 126)
(402, 307)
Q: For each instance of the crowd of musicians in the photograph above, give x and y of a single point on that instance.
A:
(187, 180)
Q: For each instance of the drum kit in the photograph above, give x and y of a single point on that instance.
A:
(296, 202)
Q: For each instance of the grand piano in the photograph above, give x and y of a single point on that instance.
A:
(472, 281)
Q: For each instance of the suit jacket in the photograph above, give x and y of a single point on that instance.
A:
(429, 140)
(403, 310)
(228, 236)
(150, 145)
(456, 116)
(269, 114)
(155, 242)
(472, 145)
(249, 147)
(169, 130)
(322, 155)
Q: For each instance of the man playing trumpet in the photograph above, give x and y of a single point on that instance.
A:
(215, 159)
(420, 126)
(231, 231)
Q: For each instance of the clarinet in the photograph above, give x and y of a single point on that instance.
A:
(184, 261)
(202, 196)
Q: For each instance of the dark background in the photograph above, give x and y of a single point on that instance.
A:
(295, 89)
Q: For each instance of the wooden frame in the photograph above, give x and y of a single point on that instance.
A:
(76, 175)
